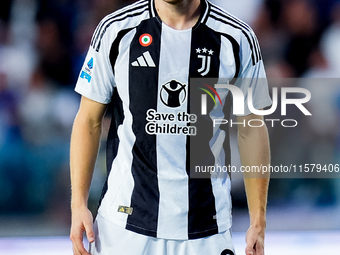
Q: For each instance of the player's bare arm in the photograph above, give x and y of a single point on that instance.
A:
(254, 151)
(84, 147)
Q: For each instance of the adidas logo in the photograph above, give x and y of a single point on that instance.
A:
(145, 60)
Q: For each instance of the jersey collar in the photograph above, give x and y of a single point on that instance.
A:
(202, 18)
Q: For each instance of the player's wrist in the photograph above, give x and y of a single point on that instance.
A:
(258, 219)
(78, 204)
(259, 223)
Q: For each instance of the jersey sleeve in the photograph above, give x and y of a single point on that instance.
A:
(96, 79)
(252, 75)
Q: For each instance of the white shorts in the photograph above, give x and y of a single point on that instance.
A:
(111, 239)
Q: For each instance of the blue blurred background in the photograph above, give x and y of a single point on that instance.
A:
(43, 44)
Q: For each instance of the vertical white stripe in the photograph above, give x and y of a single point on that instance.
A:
(171, 149)
(227, 58)
(221, 190)
(220, 181)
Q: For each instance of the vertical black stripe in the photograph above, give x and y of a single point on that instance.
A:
(228, 101)
(226, 144)
(143, 90)
(115, 108)
(201, 221)
(115, 46)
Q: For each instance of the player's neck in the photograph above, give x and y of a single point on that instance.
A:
(179, 14)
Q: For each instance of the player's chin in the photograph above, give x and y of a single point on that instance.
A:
(173, 1)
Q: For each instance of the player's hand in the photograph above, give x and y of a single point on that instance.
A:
(82, 220)
(255, 241)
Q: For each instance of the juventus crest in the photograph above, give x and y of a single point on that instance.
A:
(205, 55)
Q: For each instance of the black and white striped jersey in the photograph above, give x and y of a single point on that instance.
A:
(142, 67)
